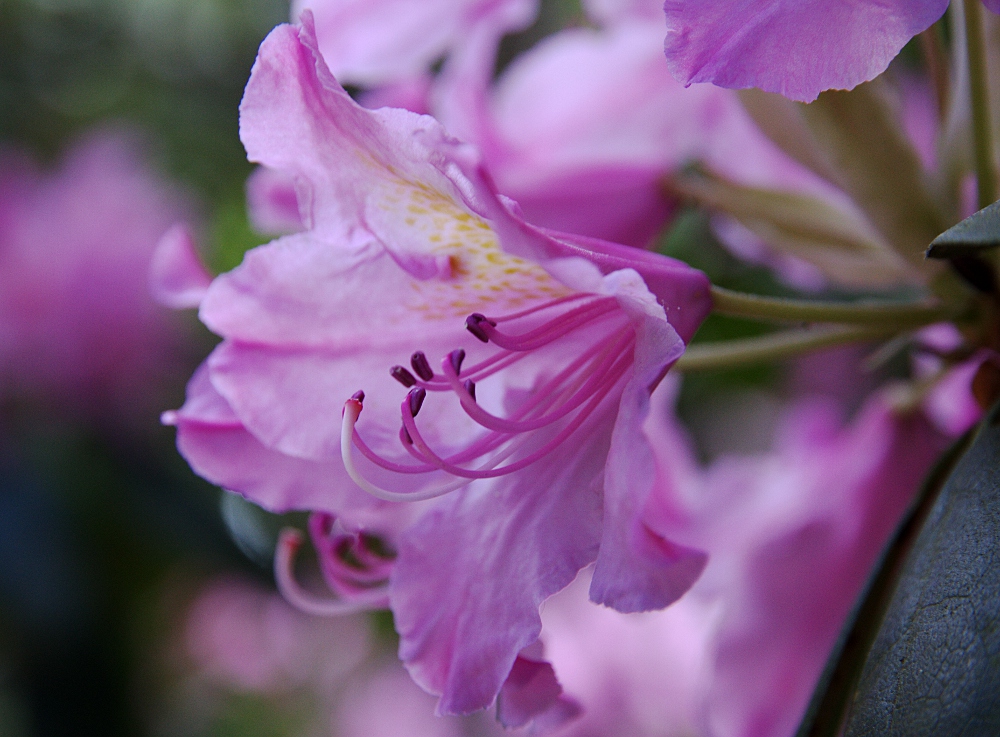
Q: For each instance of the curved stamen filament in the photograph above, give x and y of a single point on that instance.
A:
(545, 334)
(546, 306)
(289, 542)
(582, 388)
(620, 368)
(352, 409)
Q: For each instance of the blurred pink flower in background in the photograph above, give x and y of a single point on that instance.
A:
(378, 42)
(251, 639)
(791, 534)
(78, 327)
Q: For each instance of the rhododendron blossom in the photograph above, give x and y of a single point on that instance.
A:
(419, 341)
(794, 48)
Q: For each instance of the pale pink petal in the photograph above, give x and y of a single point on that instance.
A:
(371, 42)
(950, 404)
(473, 571)
(220, 449)
(638, 569)
(412, 93)
(581, 129)
(272, 204)
(796, 48)
(177, 277)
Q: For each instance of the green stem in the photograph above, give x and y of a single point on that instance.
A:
(936, 61)
(731, 353)
(986, 177)
(881, 314)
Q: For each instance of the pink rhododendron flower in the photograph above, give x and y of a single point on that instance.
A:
(77, 324)
(792, 536)
(795, 48)
(531, 357)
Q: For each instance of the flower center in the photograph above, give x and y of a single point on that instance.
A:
(597, 341)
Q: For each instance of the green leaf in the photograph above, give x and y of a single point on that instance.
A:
(827, 710)
(843, 247)
(860, 134)
(972, 236)
(934, 667)
(921, 654)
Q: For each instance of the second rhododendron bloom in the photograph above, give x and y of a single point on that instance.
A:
(483, 380)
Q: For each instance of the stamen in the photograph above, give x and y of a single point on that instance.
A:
(421, 366)
(604, 342)
(358, 396)
(582, 388)
(415, 400)
(493, 471)
(473, 323)
(347, 433)
(289, 542)
(352, 563)
(403, 376)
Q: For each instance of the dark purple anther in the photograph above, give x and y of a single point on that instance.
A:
(456, 357)
(470, 386)
(405, 436)
(403, 376)
(416, 399)
(474, 324)
(358, 397)
(419, 362)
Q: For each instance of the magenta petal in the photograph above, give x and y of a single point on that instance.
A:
(638, 569)
(532, 694)
(993, 5)
(177, 277)
(797, 48)
(473, 571)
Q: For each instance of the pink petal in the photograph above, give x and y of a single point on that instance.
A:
(473, 571)
(797, 48)
(531, 694)
(177, 277)
(221, 450)
(272, 204)
(638, 569)
(372, 42)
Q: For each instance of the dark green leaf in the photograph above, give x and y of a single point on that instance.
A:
(971, 236)
(934, 666)
(825, 715)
